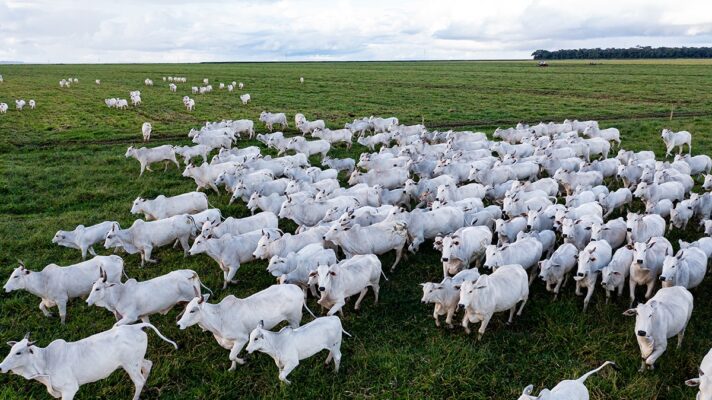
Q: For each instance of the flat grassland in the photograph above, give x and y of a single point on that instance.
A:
(63, 164)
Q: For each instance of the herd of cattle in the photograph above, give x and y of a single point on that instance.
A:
(535, 203)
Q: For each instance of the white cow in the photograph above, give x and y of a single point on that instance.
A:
(147, 156)
(288, 346)
(378, 239)
(345, 279)
(591, 261)
(445, 296)
(662, 317)
(146, 131)
(686, 269)
(613, 275)
(703, 378)
(648, 264)
(565, 390)
(238, 226)
(57, 285)
(463, 247)
(499, 291)
(232, 320)
(554, 271)
(163, 207)
(188, 152)
(676, 139)
(271, 119)
(643, 227)
(142, 237)
(64, 366)
(132, 300)
(83, 238)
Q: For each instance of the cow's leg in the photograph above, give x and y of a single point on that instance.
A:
(45, 311)
(236, 349)
(84, 252)
(185, 243)
(147, 254)
(62, 306)
(680, 336)
(399, 254)
(448, 317)
(135, 373)
(521, 306)
(376, 288)
(232, 270)
(360, 297)
(559, 282)
(146, 366)
(91, 251)
(336, 307)
(436, 315)
(165, 165)
(587, 299)
(511, 314)
(631, 289)
(336, 352)
(483, 326)
(143, 168)
(69, 392)
(176, 163)
(658, 350)
(651, 286)
(215, 188)
(286, 369)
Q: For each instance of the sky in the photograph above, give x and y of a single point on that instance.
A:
(82, 31)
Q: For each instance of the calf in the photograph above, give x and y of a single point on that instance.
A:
(500, 291)
(662, 317)
(84, 238)
(565, 390)
(613, 275)
(232, 320)
(555, 270)
(445, 296)
(64, 366)
(142, 237)
(288, 346)
(57, 285)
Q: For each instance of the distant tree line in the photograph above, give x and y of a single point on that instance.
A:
(633, 52)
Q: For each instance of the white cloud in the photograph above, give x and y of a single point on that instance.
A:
(252, 30)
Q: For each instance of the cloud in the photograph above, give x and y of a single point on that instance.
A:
(275, 30)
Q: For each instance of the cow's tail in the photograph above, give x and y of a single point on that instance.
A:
(583, 378)
(384, 275)
(160, 335)
(196, 278)
(347, 334)
(304, 304)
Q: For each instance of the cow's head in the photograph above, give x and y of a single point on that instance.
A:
(257, 340)
(100, 291)
(192, 313)
(17, 278)
(21, 355)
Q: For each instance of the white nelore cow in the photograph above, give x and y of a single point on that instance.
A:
(499, 291)
(347, 278)
(686, 269)
(132, 300)
(565, 390)
(146, 131)
(288, 346)
(554, 271)
(230, 251)
(525, 253)
(163, 207)
(377, 239)
(463, 247)
(57, 285)
(642, 227)
(647, 264)
(232, 320)
(188, 152)
(663, 316)
(84, 237)
(591, 260)
(238, 226)
(142, 237)
(445, 296)
(271, 244)
(703, 378)
(271, 119)
(64, 366)
(613, 275)
(147, 156)
(676, 139)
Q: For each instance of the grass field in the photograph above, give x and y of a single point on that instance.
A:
(63, 164)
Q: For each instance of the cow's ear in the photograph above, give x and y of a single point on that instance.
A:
(261, 324)
(630, 312)
(693, 382)
(11, 343)
(528, 390)
(205, 297)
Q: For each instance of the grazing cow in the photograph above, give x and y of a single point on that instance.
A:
(232, 319)
(57, 285)
(499, 291)
(345, 279)
(64, 366)
(142, 237)
(147, 156)
(132, 300)
(686, 269)
(665, 315)
(288, 346)
(613, 275)
(164, 207)
(83, 238)
(566, 389)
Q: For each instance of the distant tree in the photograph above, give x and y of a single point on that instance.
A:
(629, 53)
